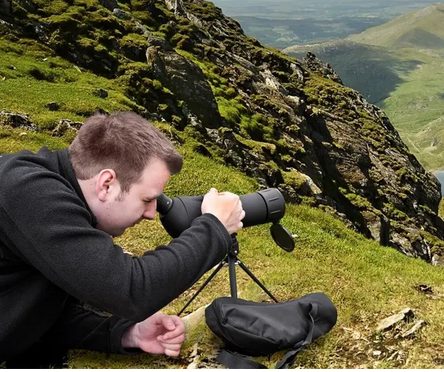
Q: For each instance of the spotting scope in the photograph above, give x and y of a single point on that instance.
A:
(260, 207)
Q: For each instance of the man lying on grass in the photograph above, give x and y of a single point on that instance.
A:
(63, 282)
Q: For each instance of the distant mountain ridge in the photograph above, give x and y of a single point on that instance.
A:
(422, 28)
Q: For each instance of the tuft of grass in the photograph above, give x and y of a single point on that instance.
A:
(14, 140)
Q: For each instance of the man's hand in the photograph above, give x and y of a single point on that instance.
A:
(226, 206)
(158, 334)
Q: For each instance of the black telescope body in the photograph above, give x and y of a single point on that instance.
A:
(260, 207)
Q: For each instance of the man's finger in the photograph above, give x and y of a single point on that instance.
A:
(167, 336)
(172, 353)
(169, 323)
(177, 328)
(176, 340)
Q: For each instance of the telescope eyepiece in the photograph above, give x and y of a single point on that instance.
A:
(164, 204)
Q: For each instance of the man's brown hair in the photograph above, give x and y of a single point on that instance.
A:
(124, 142)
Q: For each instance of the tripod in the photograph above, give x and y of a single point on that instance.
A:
(231, 260)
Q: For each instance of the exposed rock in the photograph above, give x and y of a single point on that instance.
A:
(316, 64)
(119, 13)
(185, 80)
(52, 106)
(64, 126)
(390, 322)
(16, 120)
(100, 92)
(109, 4)
(176, 6)
(437, 260)
(429, 292)
(414, 329)
(5, 6)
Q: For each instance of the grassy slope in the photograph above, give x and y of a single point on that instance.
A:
(58, 81)
(416, 108)
(426, 22)
(366, 282)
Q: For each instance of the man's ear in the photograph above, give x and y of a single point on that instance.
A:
(107, 185)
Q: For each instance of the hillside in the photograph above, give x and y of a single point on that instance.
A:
(287, 123)
(398, 66)
(420, 29)
(367, 283)
(417, 104)
(244, 117)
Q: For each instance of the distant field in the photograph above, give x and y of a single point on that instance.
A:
(281, 33)
(416, 108)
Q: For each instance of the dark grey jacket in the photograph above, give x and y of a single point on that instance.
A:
(51, 252)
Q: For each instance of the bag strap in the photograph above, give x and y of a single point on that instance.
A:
(289, 358)
(234, 360)
(239, 361)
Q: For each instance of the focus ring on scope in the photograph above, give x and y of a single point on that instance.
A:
(275, 203)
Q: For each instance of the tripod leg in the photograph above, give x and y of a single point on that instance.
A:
(256, 280)
(213, 274)
(232, 274)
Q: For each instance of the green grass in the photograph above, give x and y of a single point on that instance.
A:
(13, 140)
(32, 79)
(421, 28)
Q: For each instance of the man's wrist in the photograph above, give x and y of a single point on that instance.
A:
(129, 338)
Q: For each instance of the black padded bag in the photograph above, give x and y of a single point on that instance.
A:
(254, 328)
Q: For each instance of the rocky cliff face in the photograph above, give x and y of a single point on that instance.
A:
(290, 124)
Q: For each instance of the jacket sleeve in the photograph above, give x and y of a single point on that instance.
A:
(50, 230)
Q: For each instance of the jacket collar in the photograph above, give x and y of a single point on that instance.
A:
(67, 171)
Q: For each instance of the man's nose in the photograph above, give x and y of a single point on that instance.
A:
(150, 210)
